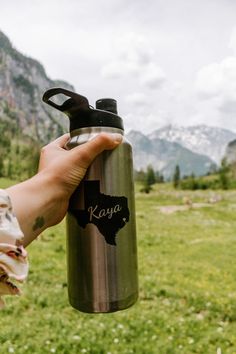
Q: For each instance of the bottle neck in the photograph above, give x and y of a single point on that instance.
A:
(95, 130)
(82, 135)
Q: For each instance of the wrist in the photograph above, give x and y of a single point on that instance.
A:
(34, 203)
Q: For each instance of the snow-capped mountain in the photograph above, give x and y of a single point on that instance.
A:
(202, 139)
(164, 155)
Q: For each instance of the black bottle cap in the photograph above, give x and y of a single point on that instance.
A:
(81, 114)
(107, 104)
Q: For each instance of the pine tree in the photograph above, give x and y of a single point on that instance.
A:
(223, 174)
(149, 180)
(150, 176)
(176, 177)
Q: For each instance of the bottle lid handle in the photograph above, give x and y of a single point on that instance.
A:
(74, 99)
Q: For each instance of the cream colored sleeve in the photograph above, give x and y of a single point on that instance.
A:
(13, 256)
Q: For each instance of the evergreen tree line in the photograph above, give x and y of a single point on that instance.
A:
(222, 178)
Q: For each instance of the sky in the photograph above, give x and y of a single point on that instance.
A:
(164, 61)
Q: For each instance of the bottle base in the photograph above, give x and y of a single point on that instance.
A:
(104, 307)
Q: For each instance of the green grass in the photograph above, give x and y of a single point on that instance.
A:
(187, 302)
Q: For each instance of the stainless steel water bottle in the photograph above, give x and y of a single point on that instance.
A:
(101, 229)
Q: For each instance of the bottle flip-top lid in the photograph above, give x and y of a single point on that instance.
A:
(81, 114)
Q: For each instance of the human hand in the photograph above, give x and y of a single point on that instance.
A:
(46, 196)
(68, 167)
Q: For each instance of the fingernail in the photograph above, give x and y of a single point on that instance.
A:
(117, 138)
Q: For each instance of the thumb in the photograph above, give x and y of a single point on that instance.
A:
(87, 152)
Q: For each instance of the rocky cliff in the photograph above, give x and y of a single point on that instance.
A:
(22, 83)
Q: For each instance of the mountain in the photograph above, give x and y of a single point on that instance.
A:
(23, 81)
(201, 139)
(164, 155)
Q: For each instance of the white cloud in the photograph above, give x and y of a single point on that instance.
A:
(137, 99)
(232, 41)
(147, 122)
(216, 87)
(128, 55)
(135, 48)
(218, 80)
(118, 68)
(132, 57)
(153, 76)
(209, 81)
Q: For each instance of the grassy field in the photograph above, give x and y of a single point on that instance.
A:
(187, 273)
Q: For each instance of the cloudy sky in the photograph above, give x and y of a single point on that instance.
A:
(165, 61)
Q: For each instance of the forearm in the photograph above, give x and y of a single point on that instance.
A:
(33, 202)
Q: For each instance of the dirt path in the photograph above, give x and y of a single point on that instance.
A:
(170, 209)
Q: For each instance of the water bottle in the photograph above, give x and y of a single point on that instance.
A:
(101, 228)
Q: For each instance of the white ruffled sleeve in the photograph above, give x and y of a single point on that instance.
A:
(13, 256)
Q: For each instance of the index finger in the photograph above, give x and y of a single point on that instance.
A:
(61, 141)
(87, 152)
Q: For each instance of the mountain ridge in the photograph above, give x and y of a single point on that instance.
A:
(202, 139)
(165, 154)
(23, 80)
